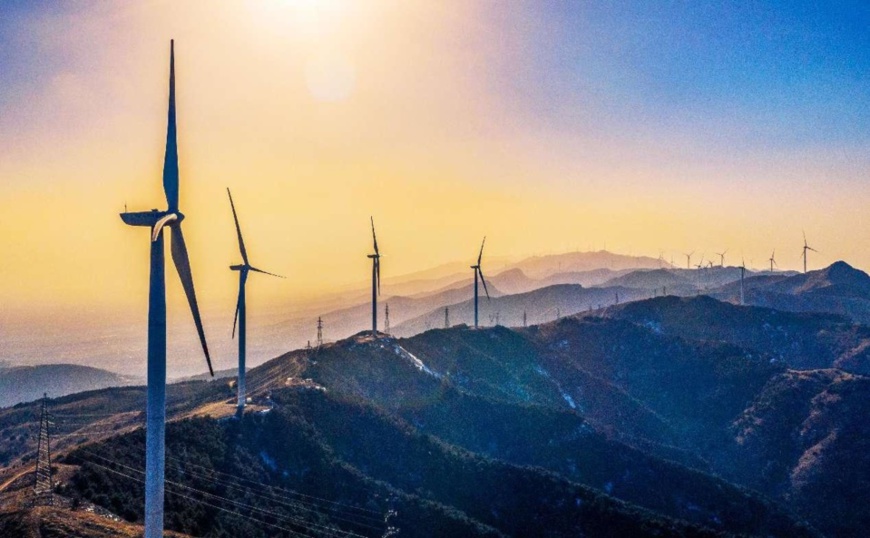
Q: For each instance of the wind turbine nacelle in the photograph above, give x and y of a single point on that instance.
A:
(237, 267)
(148, 218)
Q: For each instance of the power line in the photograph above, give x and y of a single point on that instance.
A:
(301, 522)
(292, 503)
(200, 501)
(289, 491)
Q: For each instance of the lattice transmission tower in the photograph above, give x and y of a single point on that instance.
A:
(319, 332)
(43, 484)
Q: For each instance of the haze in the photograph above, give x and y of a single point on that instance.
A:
(546, 126)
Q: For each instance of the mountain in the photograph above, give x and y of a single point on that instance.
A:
(28, 383)
(837, 280)
(655, 424)
(802, 340)
(345, 322)
(836, 289)
(801, 431)
(540, 305)
(539, 267)
(664, 280)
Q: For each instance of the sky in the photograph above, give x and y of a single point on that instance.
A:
(547, 126)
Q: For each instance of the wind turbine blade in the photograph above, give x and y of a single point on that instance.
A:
(265, 272)
(170, 160)
(483, 281)
(811, 248)
(236, 317)
(480, 256)
(374, 237)
(243, 278)
(238, 229)
(182, 265)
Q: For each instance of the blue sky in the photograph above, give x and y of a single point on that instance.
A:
(784, 74)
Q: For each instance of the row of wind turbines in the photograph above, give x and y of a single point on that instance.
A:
(171, 218)
(721, 255)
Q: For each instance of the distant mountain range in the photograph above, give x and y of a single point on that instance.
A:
(661, 416)
(668, 416)
(837, 289)
(539, 305)
(28, 383)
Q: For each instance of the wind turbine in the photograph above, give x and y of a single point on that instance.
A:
(156, 404)
(806, 248)
(722, 257)
(376, 280)
(700, 267)
(478, 272)
(742, 274)
(772, 260)
(241, 313)
(689, 259)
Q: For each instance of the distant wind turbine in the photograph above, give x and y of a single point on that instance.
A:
(376, 280)
(241, 312)
(742, 274)
(479, 273)
(156, 403)
(689, 259)
(805, 249)
(772, 260)
(722, 257)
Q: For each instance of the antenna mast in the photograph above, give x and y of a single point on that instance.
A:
(44, 484)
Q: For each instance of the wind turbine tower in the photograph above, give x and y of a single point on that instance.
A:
(479, 273)
(446, 317)
(376, 280)
(387, 318)
(742, 274)
(804, 254)
(722, 257)
(772, 260)
(241, 316)
(156, 403)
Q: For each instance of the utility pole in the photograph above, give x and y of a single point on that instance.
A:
(446, 317)
(43, 485)
(387, 319)
(319, 331)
